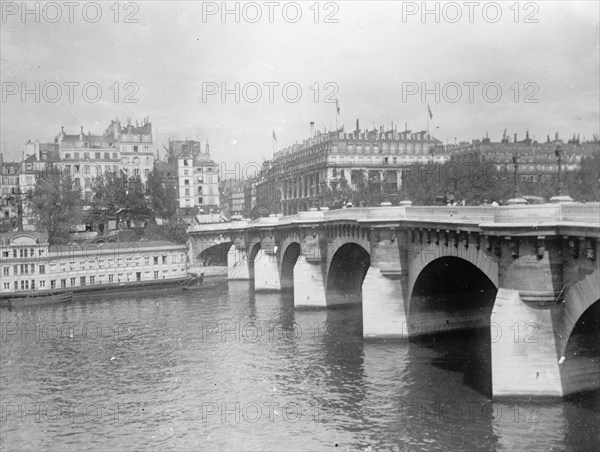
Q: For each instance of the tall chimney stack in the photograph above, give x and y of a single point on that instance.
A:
(81, 133)
(357, 128)
(312, 129)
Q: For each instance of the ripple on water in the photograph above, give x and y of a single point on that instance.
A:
(161, 378)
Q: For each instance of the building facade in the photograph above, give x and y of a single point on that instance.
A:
(536, 161)
(30, 264)
(299, 176)
(86, 156)
(191, 170)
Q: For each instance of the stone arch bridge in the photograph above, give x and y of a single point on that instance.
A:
(526, 276)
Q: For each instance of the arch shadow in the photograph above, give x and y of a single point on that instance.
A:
(347, 271)
(450, 309)
(215, 255)
(253, 254)
(288, 262)
(580, 371)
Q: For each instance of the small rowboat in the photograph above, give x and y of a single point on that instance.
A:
(196, 283)
(34, 299)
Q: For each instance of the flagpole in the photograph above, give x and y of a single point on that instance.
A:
(428, 119)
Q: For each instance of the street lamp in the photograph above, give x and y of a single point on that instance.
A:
(518, 199)
(562, 195)
(516, 174)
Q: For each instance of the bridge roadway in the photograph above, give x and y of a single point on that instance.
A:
(525, 279)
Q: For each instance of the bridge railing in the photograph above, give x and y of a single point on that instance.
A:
(533, 214)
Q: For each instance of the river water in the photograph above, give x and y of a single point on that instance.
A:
(228, 369)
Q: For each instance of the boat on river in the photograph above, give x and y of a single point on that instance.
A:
(195, 283)
(35, 298)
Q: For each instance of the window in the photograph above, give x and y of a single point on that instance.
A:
(6, 286)
(155, 260)
(164, 259)
(147, 260)
(185, 163)
(97, 155)
(82, 280)
(52, 284)
(63, 283)
(6, 271)
(156, 274)
(186, 182)
(43, 283)
(92, 279)
(42, 269)
(67, 155)
(110, 278)
(200, 200)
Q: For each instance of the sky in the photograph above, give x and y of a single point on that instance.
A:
(479, 69)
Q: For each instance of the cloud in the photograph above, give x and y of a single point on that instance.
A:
(170, 55)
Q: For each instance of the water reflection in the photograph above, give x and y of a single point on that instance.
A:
(232, 370)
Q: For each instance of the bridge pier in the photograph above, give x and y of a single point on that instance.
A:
(309, 284)
(237, 263)
(385, 287)
(383, 305)
(524, 343)
(524, 358)
(266, 272)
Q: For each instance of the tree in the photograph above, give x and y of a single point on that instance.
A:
(57, 204)
(584, 184)
(162, 197)
(135, 198)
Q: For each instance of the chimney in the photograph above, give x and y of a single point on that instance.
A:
(312, 129)
(357, 128)
(515, 137)
(81, 133)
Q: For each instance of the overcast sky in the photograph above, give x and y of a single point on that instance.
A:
(372, 55)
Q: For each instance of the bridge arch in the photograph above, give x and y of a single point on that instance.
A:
(579, 334)
(453, 298)
(580, 370)
(421, 255)
(347, 269)
(253, 253)
(215, 254)
(289, 257)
